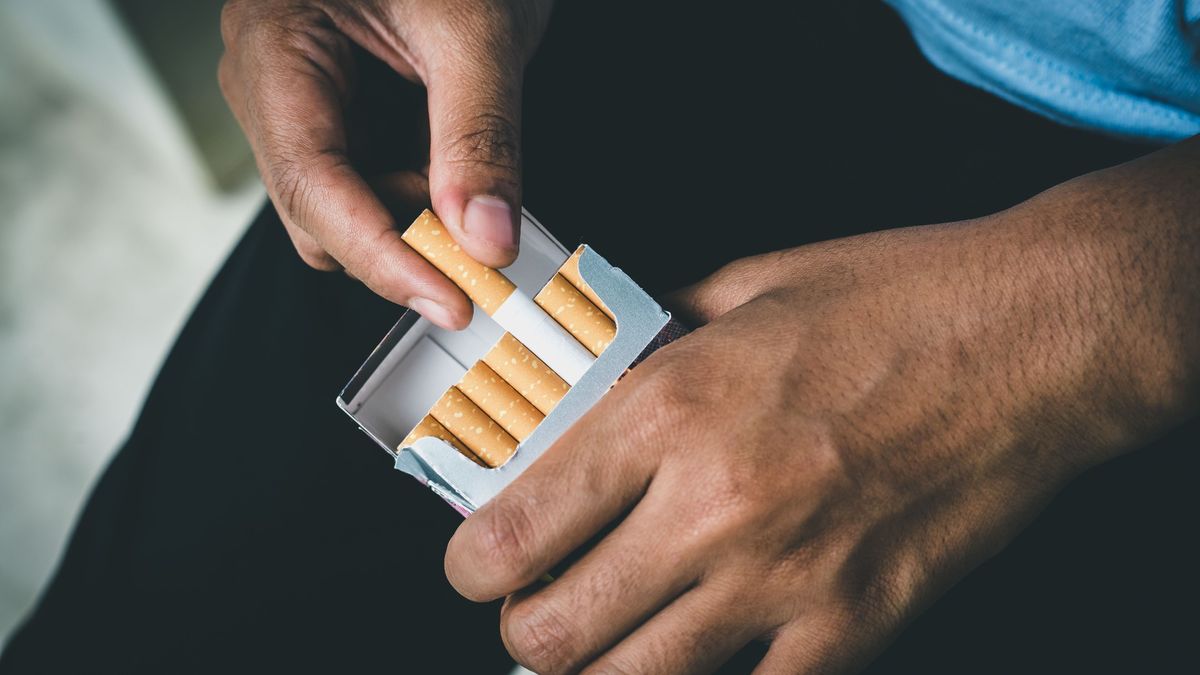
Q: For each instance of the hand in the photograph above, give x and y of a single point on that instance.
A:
(860, 423)
(289, 75)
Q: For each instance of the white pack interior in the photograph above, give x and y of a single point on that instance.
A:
(428, 360)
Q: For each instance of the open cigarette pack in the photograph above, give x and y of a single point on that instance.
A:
(465, 412)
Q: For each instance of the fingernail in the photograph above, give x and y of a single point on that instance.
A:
(490, 218)
(432, 311)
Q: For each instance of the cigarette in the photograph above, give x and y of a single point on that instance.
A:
(499, 298)
(573, 311)
(570, 270)
(500, 401)
(431, 427)
(472, 426)
(526, 373)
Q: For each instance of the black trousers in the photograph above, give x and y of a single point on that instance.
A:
(247, 525)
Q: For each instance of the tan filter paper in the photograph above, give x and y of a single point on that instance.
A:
(485, 286)
(496, 295)
(526, 373)
(500, 401)
(570, 270)
(431, 427)
(574, 312)
(480, 433)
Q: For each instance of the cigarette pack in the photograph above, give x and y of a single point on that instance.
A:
(419, 366)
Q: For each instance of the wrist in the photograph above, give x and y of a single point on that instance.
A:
(1101, 276)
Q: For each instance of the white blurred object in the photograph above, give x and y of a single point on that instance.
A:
(109, 230)
(80, 47)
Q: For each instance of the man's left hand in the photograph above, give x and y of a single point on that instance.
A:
(858, 424)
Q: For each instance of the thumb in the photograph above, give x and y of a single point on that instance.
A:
(475, 151)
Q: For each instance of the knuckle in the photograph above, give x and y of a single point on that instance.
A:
(230, 84)
(369, 258)
(296, 179)
(840, 614)
(232, 15)
(831, 627)
(481, 23)
(315, 257)
(733, 506)
(882, 603)
(734, 489)
(503, 541)
(487, 139)
(665, 402)
(295, 35)
(729, 287)
(315, 39)
(825, 462)
(539, 637)
(292, 183)
(225, 75)
(727, 510)
(496, 28)
(613, 580)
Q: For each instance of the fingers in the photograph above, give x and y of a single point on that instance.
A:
(589, 478)
(828, 639)
(797, 648)
(326, 198)
(695, 634)
(631, 573)
(310, 251)
(286, 80)
(475, 140)
(809, 647)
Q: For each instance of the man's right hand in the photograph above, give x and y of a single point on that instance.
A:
(287, 73)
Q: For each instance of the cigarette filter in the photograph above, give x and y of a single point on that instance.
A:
(573, 311)
(500, 401)
(486, 439)
(518, 395)
(526, 373)
(499, 298)
(570, 270)
(431, 427)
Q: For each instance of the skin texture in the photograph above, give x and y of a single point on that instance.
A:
(858, 424)
(289, 75)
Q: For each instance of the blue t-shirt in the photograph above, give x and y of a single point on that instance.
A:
(1124, 67)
